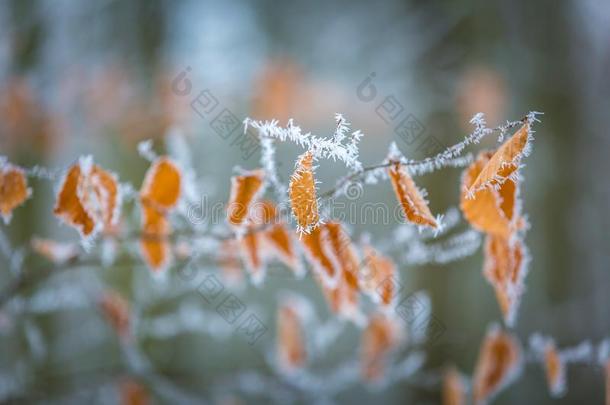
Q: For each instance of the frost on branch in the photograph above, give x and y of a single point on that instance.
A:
(335, 148)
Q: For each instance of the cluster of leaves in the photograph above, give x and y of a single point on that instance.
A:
(258, 230)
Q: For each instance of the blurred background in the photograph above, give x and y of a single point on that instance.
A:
(97, 77)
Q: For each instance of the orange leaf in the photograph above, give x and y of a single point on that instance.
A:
(13, 189)
(453, 387)
(55, 252)
(379, 279)
(555, 370)
(159, 194)
(251, 253)
(378, 339)
(154, 244)
(278, 241)
(319, 254)
(162, 184)
(504, 267)
(133, 393)
(414, 206)
(490, 210)
(497, 366)
(88, 198)
(68, 205)
(504, 162)
(342, 298)
(302, 191)
(116, 310)
(228, 261)
(290, 338)
(244, 190)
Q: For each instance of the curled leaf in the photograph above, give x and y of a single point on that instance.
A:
(13, 189)
(497, 366)
(413, 204)
(88, 198)
(302, 191)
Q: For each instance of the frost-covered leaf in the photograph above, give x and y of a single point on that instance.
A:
(413, 204)
(379, 338)
(454, 388)
(555, 369)
(244, 191)
(13, 189)
(117, 312)
(491, 210)
(498, 365)
(159, 194)
(291, 348)
(505, 161)
(88, 198)
(302, 191)
(505, 267)
(379, 279)
(318, 253)
(56, 252)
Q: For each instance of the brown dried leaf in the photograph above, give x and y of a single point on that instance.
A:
(378, 339)
(497, 366)
(154, 244)
(504, 268)
(251, 254)
(53, 251)
(454, 390)
(162, 184)
(159, 194)
(414, 206)
(244, 190)
(379, 281)
(290, 338)
(555, 370)
(504, 162)
(68, 205)
(490, 210)
(116, 310)
(13, 189)
(319, 255)
(303, 197)
(343, 297)
(133, 393)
